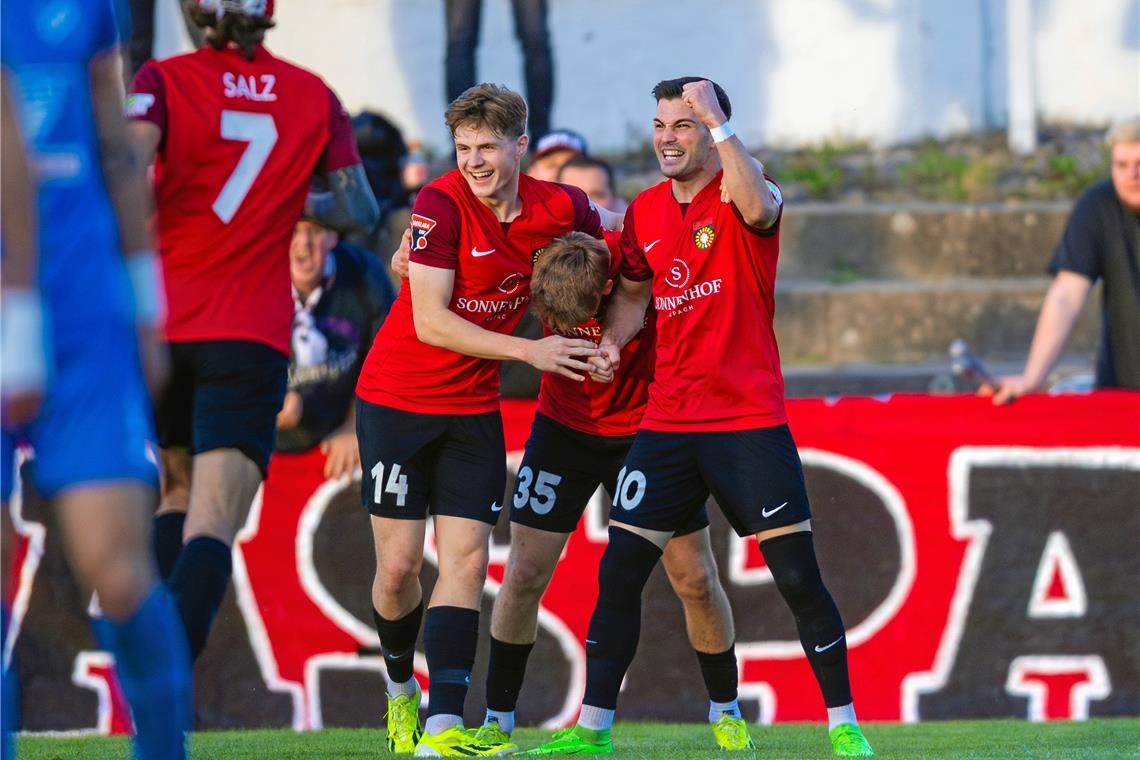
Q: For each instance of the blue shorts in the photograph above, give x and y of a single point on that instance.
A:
(95, 422)
(754, 475)
(448, 464)
(561, 470)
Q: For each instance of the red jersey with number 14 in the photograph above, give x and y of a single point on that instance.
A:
(240, 142)
(453, 229)
(607, 409)
(718, 366)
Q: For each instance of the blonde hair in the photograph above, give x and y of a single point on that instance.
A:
(498, 108)
(568, 280)
(1123, 130)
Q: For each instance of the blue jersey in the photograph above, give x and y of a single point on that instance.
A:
(47, 47)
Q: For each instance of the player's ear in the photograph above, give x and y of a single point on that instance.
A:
(523, 141)
(608, 288)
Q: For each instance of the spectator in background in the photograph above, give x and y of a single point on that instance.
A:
(341, 295)
(386, 159)
(1101, 241)
(554, 150)
(596, 178)
(463, 17)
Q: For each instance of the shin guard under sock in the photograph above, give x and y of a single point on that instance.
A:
(398, 643)
(450, 637)
(615, 626)
(791, 558)
(198, 584)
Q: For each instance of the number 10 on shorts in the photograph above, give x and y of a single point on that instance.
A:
(397, 484)
(630, 489)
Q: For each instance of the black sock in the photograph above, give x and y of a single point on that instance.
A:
(450, 637)
(398, 642)
(167, 541)
(720, 674)
(505, 673)
(791, 558)
(615, 626)
(199, 582)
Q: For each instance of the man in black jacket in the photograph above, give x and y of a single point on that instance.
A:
(341, 295)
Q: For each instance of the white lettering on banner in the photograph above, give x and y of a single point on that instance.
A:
(666, 304)
(252, 87)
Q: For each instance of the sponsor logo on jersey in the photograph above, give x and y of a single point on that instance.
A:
(703, 236)
(251, 87)
(138, 103)
(421, 228)
(678, 274)
(672, 306)
(512, 283)
(490, 310)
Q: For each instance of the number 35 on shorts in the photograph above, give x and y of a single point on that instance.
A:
(543, 485)
(397, 484)
(630, 489)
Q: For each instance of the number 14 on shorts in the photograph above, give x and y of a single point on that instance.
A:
(397, 484)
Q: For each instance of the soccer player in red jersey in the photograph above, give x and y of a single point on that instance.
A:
(431, 437)
(236, 135)
(715, 421)
(579, 440)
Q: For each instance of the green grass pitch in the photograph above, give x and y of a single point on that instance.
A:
(975, 740)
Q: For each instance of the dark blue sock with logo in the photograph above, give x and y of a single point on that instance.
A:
(450, 637)
(398, 642)
(791, 558)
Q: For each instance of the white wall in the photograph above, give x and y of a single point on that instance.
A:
(798, 71)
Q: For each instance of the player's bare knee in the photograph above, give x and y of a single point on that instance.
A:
(395, 575)
(121, 582)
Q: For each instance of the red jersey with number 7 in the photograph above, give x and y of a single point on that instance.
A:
(240, 142)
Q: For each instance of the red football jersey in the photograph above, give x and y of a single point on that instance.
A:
(240, 142)
(452, 229)
(609, 409)
(718, 366)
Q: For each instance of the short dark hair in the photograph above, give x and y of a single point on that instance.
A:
(589, 162)
(498, 108)
(671, 89)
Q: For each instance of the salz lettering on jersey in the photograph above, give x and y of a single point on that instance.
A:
(257, 88)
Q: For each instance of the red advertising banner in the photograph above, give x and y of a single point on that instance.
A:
(984, 560)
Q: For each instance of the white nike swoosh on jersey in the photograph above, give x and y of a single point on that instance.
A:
(650, 246)
(770, 512)
(477, 253)
(818, 648)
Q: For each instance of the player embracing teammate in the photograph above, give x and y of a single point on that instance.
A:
(715, 421)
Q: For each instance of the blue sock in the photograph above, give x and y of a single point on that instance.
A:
(166, 540)
(9, 692)
(450, 638)
(154, 670)
(198, 583)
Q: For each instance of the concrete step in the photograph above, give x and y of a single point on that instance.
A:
(840, 243)
(896, 321)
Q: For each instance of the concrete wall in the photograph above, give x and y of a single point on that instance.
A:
(799, 71)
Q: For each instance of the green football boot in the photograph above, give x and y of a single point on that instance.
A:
(732, 733)
(575, 741)
(848, 741)
(403, 723)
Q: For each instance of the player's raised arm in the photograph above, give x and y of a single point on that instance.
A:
(349, 204)
(437, 325)
(743, 174)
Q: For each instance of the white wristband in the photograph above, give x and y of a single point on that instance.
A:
(722, 133)
(145, 272)
(23, 353)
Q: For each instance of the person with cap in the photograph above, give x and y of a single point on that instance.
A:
(552, 151)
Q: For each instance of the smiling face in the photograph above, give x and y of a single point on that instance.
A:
(308, 250)
(488, 161)
(683, 145)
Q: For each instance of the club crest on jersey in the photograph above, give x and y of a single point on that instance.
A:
(536, 253)
(704, 235)
(421, 227)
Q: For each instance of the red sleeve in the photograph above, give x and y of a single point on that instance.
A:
(586, 217)
(613, 242)
(634, 265)
(147, 99)
(435, 229)
(341, 150)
